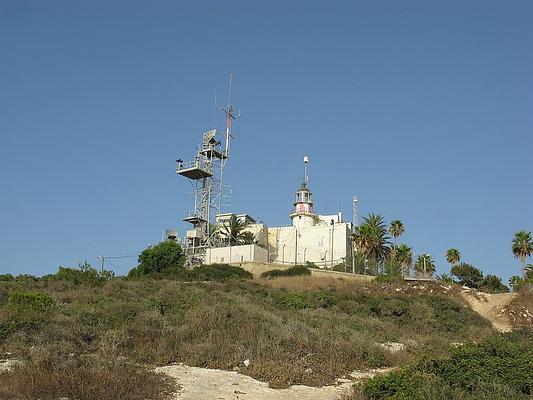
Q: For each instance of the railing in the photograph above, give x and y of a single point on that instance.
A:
(191, 164)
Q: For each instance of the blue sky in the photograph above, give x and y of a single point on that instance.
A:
(423, 109)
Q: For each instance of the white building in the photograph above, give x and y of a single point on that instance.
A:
(324, 240)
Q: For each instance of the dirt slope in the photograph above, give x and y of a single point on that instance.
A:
(202, 383)
(491, 307)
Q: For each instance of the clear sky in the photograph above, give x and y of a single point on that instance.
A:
(424, 109)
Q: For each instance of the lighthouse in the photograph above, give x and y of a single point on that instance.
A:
(303, 214)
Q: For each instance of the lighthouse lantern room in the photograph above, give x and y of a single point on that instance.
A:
(303, 214)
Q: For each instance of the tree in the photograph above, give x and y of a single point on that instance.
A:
(445, 278)
(468, 275)
(233, 230)
(372, 239)
(404, 254)
(162, 258)
(522, 247)
(396, 229)
(392, 267)
(425, 265)
(86, 274)
(453, 256)
(529, 271)
(248, 237)
(493, 284)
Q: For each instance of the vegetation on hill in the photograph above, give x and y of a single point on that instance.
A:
(498, 368)
(163, 259)
(290, 336)
(292, 271)
(522, 247)
(470, 276)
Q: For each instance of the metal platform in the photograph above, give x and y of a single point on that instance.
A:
(194, 219)
(193, 170)
(213, 153)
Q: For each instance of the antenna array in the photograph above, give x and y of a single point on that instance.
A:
(206, 173)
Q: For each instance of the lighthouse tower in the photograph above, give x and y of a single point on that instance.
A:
(303, 214)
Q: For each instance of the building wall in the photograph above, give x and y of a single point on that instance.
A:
(260, 232)
(236, 254)
(314, 244)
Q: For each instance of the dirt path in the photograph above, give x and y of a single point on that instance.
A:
(491, 307)
(202, 383)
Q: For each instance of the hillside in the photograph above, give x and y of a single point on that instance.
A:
(306, 331)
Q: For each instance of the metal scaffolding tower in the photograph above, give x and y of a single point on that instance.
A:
(206, 173)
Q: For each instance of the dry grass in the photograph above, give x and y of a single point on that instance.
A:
(219, 325)
(49, 375)
(520, 309)
(302, 283)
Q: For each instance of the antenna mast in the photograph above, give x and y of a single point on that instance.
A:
(306, 161)
(355, 212)
(205, 173)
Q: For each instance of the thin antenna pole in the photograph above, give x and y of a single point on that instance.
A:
(229, 116)
(306, 161)
(355, 216)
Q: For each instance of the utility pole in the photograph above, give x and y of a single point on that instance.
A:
(102, 261)
(355, 222)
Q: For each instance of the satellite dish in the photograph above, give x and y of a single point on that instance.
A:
(171, 234)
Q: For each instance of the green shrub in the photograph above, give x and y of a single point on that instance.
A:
(467, 275)
(6, 278)
(163, 258)
(85, 275)
(303, 300)
(388, 278)
(213, 272)
(517, 282)
(493, 284)
(500, 364)
(292, 271)
(28, 302)
(26, 278)
(25, 311)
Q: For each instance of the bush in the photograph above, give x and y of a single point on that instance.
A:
(517, 282)
(305, 300)
(85, 275)
(26, 278)
(213, 272)
(163, 258)
(467, 275)
(6, 278)
(500, 364)
(292, 271)
(25, 311)
(386, 278)
(493, 284)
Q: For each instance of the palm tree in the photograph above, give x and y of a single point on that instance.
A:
(445, 278)
(233, 230)
(404, 255)
(396, 229)
(453, 256)
(522, 247)
(248, 237)
(529, 271)
(371, 238)
(425, 265)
